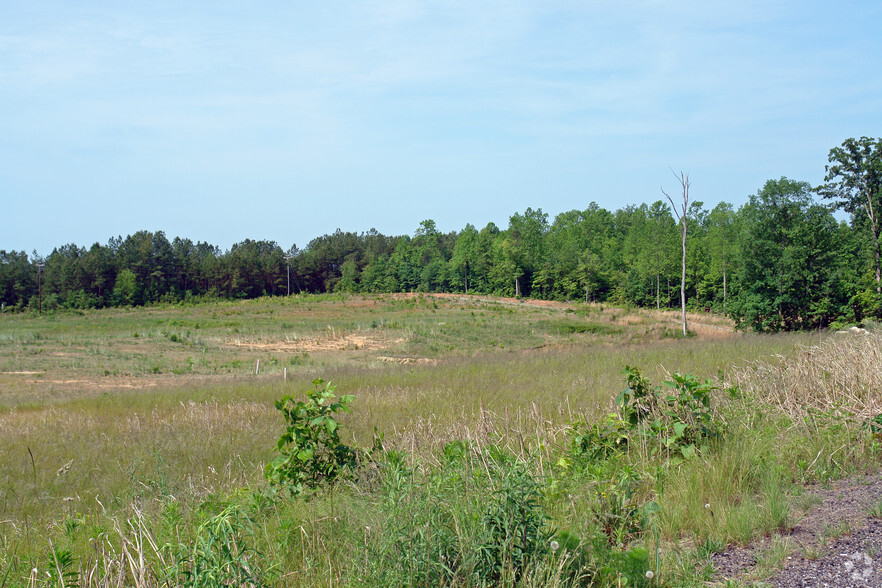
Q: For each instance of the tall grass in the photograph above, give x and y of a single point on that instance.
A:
(842, 376)
(164, 486)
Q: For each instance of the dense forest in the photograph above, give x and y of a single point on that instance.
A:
(779, 262)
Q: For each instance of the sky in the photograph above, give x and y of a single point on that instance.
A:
(224, 121)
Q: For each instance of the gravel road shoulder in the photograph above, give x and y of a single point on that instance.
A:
(835, 540)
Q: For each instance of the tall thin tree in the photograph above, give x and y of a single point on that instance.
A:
(681, 217)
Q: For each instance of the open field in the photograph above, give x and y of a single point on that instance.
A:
(87, 353)
(122, 426)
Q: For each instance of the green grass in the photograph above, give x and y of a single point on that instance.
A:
(175, 457)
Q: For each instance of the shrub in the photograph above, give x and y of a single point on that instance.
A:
(677, 419)
(312, 454)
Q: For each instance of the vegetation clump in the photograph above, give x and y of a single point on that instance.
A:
(312, 454)
(673, 421)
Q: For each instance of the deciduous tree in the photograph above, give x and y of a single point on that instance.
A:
(854, 182)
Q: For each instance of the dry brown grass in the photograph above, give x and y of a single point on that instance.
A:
(523, 431)
(841, 376)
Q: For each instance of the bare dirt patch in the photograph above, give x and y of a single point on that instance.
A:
(498, 299)
(349, 342)
(98, 383)
(409, 360)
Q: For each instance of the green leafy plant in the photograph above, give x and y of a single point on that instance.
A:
(220, 554)
(515, 530)
(638, 400)
(874, 426)
(601, 440)
(477, 518)
(62, 563)
(679, 418)
(312, 455)
(618, 513)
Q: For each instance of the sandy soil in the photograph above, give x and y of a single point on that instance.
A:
(349, 342)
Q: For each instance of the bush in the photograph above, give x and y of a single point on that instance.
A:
(678, 419)
(312, 454)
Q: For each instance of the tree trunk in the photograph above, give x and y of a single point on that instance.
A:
(781, 282)
(878, 261)
(467, 278)
(683, 279)
(681, 216)
(874, 227)
(657, 292)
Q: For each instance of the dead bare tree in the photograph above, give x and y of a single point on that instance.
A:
(681, 218)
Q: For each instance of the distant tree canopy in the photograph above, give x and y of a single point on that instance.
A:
(779, 262)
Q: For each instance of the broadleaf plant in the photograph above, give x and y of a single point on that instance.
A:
(311, 453)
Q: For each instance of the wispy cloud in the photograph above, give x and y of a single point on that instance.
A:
(404, 98)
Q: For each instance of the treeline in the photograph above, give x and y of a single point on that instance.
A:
(779, 262)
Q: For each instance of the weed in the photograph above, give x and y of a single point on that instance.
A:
(875, 509)
(221, 554)
(679, 423)
(770, 559)
(513, 526)
(835, 531)
(807, 501)
(617, 512)
(61, 562)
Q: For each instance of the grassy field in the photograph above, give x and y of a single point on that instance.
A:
(134, 442)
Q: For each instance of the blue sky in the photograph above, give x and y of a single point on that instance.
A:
(221, 121)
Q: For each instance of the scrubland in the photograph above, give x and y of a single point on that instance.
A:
(490, 446)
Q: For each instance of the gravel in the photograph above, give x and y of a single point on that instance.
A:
(836, 541)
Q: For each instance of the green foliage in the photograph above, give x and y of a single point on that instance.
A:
(601, 440)
(476, 519)
(791, 275)
(853, 181)
(592, 561)
(312, 455)
(677, 419)
(61, 562)
(125, 291)
(637, 400)
(874, 426)
(616, 510)
(220, 554)
(514, 524)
